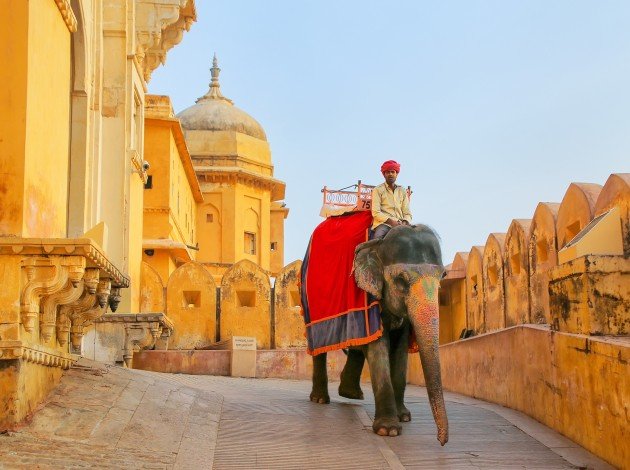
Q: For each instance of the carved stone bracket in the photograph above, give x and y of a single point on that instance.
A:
(46, 277)
(71, 292)
(160, 25)
(142, 331)
(74, 317)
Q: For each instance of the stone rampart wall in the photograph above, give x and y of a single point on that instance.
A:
(576, 384)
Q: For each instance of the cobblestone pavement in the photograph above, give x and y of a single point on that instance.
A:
(109, 417)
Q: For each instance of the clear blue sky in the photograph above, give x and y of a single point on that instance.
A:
(490, 106)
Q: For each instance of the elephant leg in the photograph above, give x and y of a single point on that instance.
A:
(350, 386)
(319, 393)
(398, 363)
(386, 417)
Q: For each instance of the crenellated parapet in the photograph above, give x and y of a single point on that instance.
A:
(567, 267)
(160, 25)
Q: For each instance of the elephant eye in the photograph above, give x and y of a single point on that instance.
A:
(401, 283)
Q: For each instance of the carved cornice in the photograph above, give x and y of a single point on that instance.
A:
(67, 14)
(232, 175)
(12, 350)
(85, 247)
(160, 25)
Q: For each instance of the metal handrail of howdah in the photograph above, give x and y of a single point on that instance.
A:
(360, 192)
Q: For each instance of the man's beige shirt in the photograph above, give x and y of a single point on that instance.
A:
(389, 204)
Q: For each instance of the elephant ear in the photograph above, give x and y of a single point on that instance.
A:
(368, 269)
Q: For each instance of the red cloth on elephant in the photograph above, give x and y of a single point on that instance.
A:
(336, 311)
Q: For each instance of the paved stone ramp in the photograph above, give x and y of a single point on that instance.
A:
(109, 417)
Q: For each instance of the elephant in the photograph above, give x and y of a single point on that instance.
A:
(403, 271)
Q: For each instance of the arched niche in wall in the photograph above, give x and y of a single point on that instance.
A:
(577, 209)
(516, 269)
(191, 303)
(543, 255)
(246, 303)
(494, 288)
(288, 322)
(151, 290)
(616, 193)
(475, 306)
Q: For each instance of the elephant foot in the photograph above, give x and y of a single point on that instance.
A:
(387, 427)
(320, 397)
(404, 415)
(350, 392)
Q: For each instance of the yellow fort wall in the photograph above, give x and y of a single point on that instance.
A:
(34, 147)
(13, 30)
(576, 210)
(151, 290)
(493, 282)
(575, 384)
(191, 304)
(288, 320)
(572, 374)
(516, 272)
(246, 303)
(475, 305)
(543, 255)
(616, 193)
(74, 76)
(453, 316)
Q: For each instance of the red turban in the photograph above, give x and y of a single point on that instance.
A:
(390, 165)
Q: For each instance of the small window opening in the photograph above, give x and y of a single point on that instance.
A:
(542, 253)
(274, 246)
(515, 263)
(209, 218)
(250, 243)
(294, 298)
(191, 299)
(571, 231)
(493, 276)
(474, 289)
(149, 183)
(444, 299)
(245, 298)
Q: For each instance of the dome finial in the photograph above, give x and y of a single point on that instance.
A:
(215, 89)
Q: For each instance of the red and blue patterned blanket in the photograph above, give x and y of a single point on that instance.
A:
(336, 311)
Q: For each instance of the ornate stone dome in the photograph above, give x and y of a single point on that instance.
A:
(214, 112)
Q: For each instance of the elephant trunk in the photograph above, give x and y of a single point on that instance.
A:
(423, 308)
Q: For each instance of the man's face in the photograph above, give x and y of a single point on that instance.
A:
(390, 176)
